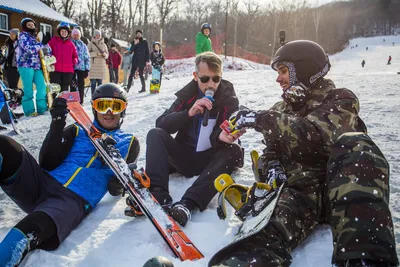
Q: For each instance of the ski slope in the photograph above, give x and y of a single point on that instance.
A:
(108, 238)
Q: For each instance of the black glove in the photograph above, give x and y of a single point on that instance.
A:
(244, 118)
(274, 174)
(59, 109)
(115, 188)
(85, 74)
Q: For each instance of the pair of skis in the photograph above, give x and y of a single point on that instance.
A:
(179, 243)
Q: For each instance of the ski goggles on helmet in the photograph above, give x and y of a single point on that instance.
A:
(103, 105)
(205, 79)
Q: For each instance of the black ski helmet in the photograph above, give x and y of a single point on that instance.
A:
(309, 59)
(24, 21)
(63, 26)
(110, 90)
(205, 26)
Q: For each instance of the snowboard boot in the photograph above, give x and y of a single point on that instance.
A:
(182, 211)
(13, 248)
(363, 263)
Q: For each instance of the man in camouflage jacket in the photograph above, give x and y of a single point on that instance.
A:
(336, 174)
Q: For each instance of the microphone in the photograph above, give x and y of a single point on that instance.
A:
(208, 94)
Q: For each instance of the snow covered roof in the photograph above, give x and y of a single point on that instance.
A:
(34, 7)
(120, 42)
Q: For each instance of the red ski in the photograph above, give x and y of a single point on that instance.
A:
(179, 243)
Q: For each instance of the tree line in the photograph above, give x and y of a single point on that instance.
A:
(250, 24)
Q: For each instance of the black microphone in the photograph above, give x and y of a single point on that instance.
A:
(208, 94)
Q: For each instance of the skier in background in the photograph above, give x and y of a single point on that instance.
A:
(115, 59)
(203, 41)
(65, 52)
(389, 60)
(30, 69)
(363, 63)
(140, 59)
(62, 189)
(126, 66)
(83, 66)
(157, 58)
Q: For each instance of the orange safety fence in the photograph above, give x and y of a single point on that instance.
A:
(189, 50)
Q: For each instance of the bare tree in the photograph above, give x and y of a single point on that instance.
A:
(50, 3)
(145, 18)
(68, 8)
(234, 11)
(114, 16)
(317, 14)
(298, 18)
(165, 8)
(95, 8)
(252, 10)
(217, 7)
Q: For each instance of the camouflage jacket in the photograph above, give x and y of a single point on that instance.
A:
(302, 138)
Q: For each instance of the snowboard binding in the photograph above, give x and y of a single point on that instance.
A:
(245, 200)
(250, 201)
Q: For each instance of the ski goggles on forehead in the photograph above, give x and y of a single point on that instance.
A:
(103, 105)
(205, 79)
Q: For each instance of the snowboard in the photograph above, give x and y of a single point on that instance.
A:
(250, 226)
(178, 242)
(155, 81)
(6, 110)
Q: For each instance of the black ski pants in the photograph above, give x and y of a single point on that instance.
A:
(53, 210)
(64, 79)
(80, 78)
(12, 76)
(133, 70)
(164, 153)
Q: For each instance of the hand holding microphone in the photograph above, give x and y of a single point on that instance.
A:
(209, 95)
(203, 105)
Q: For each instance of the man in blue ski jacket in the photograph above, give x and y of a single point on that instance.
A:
(70, 179)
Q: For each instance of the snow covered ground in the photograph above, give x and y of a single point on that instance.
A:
(108, 238)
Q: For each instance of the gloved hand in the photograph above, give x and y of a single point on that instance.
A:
(244, 118)
(85, 74)
(59, 109)
(46, 50)
(115, 188)
(275, 176)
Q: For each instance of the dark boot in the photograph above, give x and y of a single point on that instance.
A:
(182, 211)
(143, 90)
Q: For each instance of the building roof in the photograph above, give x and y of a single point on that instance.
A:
(36, 8)
(120, 42)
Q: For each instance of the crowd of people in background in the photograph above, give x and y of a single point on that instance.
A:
(76, 59)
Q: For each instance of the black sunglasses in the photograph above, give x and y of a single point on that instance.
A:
(205, 79)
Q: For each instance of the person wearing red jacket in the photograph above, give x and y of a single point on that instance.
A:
(65, 53)
(115, 60)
